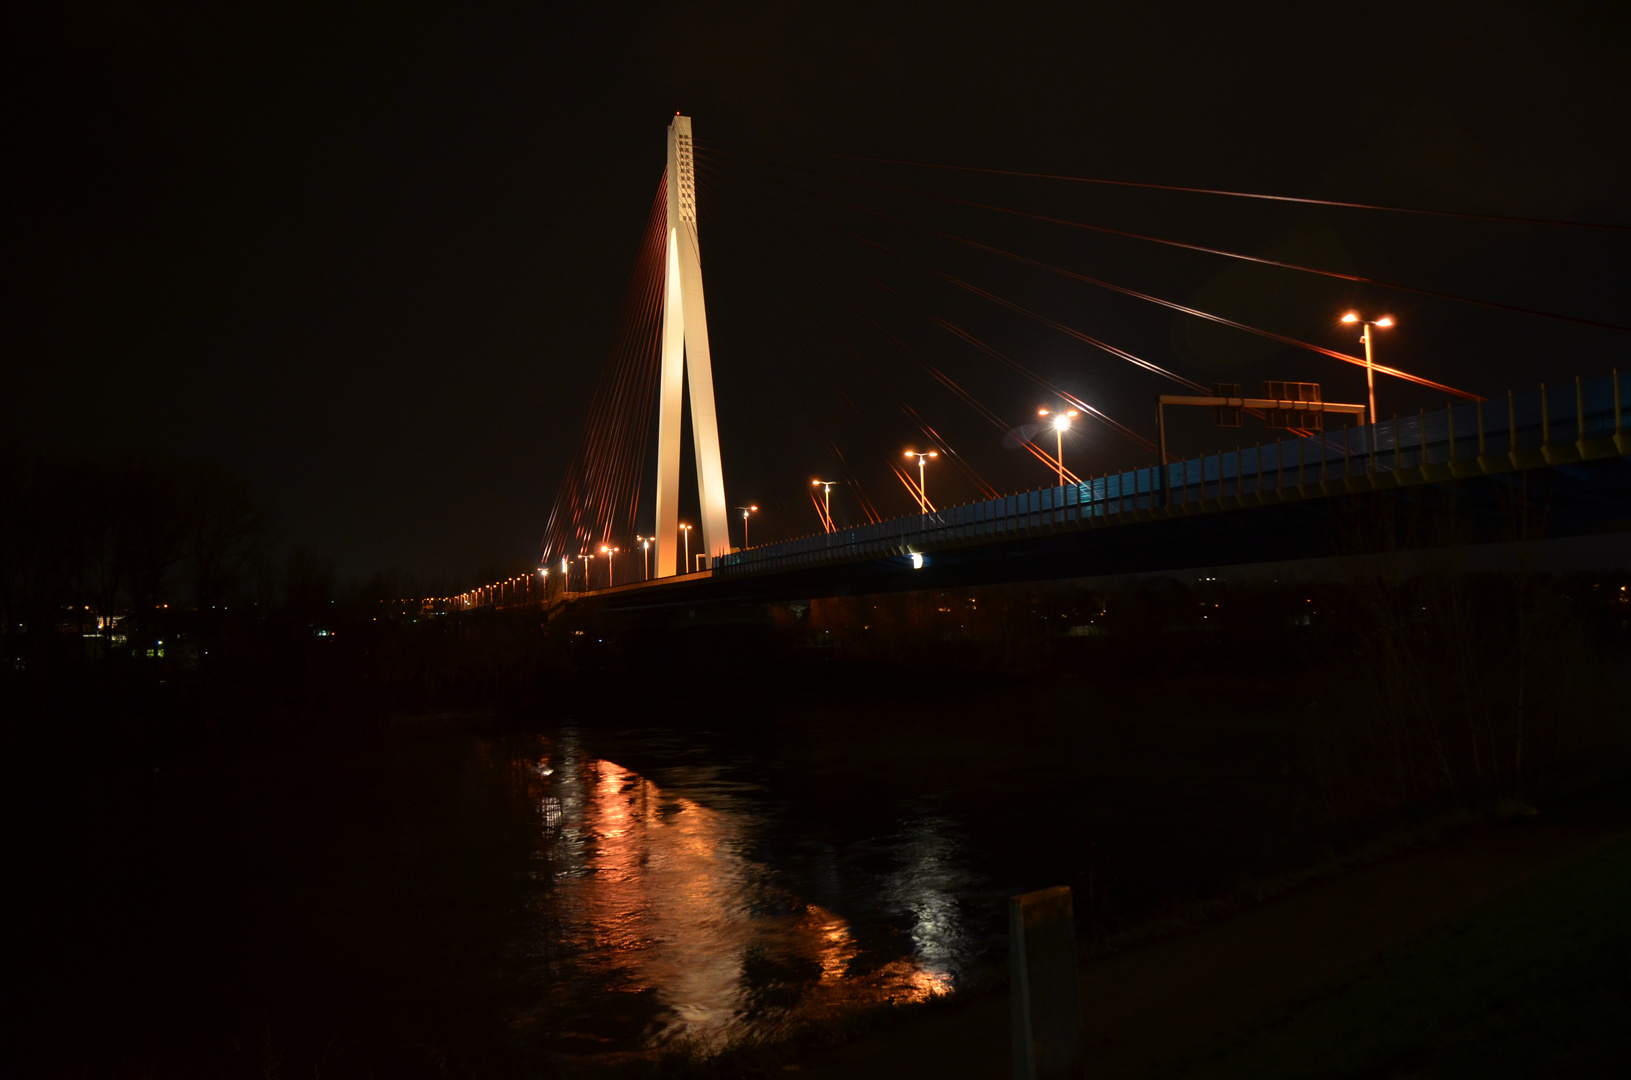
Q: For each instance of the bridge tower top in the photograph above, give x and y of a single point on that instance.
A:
(686, 357)
(685, 165)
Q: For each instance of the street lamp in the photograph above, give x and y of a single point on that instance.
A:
(1061, 424)
(746, 510)
(922, 492)
(585, 559)
(1370, 371)
(685, 534)
(645, 559)
(826, 487)
(609, 552)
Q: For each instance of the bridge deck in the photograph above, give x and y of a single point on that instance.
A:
(1157, 517)
(1584, 423)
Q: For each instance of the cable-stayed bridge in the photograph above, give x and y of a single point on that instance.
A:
(1121, 500)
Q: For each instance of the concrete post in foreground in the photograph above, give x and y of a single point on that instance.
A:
(1045, 995)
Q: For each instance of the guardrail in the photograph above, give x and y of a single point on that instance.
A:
(1584, 422)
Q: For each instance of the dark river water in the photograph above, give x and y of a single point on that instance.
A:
(493, 896)
(697, 910)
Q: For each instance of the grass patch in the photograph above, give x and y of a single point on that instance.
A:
(1533, 982)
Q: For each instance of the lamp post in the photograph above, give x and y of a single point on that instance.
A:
(609, 552)
(1061, 424)
(585, 559)
(645, 559)
(922, 492)
(1370, 371)
(826, 487)
(685, 535)
(746, 510)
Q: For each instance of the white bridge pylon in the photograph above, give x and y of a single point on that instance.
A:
(685, 353)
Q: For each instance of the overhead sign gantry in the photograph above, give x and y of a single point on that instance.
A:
(1286, 405)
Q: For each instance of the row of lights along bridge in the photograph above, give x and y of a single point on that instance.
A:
(511, 588)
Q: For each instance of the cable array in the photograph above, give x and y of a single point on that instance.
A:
(874, 325)
(600, 496)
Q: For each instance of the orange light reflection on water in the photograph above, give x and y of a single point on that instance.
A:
(655, 903)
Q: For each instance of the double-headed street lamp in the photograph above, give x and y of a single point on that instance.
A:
(1061, 424)
(585, 559)
(609, 552)
(1370, 371)
(685, 534)
(645, 544)
(746, 510)
(826, 487)
(922, 492)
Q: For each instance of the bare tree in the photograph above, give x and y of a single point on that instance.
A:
(225, 526)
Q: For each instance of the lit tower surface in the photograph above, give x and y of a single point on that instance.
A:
(685, 353)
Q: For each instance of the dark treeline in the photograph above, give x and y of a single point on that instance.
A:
(110, 543)
(139, 587)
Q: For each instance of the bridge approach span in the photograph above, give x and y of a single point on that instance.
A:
(1543, 464)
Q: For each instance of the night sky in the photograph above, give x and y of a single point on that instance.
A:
(371, 256)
